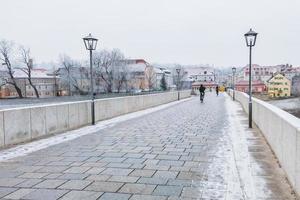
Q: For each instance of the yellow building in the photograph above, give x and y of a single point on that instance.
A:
(279, 86)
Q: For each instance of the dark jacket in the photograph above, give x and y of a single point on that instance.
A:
(202, 89)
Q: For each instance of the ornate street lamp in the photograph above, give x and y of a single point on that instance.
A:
(90, 44)
(250, 42)
(233, 82)
(178, 72)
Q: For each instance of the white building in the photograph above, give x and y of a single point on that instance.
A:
(44, 83)
(201, 74)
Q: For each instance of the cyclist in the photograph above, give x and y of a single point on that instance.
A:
(217, 90)
(202, 92)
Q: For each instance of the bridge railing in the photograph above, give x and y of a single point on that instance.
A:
(19, 125)
(282, 132)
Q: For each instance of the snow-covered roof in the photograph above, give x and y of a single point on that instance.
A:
(157, 70)
(139, 67)
(199, 70)
(35, 73)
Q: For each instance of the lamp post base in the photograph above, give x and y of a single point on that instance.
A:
(93, 111)
(233, 96)
(250, 114)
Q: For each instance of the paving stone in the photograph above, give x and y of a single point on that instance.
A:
(10, 182)
(171, 163)
(9, 174)
(167, 157)
(119, 165)
(147, 197)
(133, 155)
(104, 186)
(33, 175)
(114, 196)
(95, 170)
(6, 190)
(53, 175)
(28, 168)
(50, 184)
(167, 190)
(117, 171)
(94, 164)
(75, 159)
(191, 192)
(60, 163)
(45, 194)
(143, 172)
(74, 170)
(19, 194)
(98, 177)
(73, 176)
(75, 184)
(134, 160)
(182, 182)
(113, 160)
(153, 181)
(157, 167)
(124, 179)
(149, 156)
(29, 183)
(137, 166)
(111, 154)
(53, 169)
(135, 188)
(79, 195)
(151, 162)
(165, 174)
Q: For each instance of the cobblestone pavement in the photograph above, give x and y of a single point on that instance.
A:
(187, 151)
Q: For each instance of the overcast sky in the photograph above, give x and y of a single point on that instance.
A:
(160, 31)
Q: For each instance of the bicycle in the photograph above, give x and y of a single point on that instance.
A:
(202, 96)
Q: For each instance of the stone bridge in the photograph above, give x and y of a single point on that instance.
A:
(179, 150)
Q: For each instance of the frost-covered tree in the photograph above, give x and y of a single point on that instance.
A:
(6, 54)
(178, 78)
(72, 72)
(163, 83)
(26, 59)
(150, 76)
(110, 68)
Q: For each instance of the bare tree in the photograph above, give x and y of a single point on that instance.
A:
(178, 78)
(6, 51)
(67, 64)
(27, 60)
(150, 76)
(106, 63)
(121, 76)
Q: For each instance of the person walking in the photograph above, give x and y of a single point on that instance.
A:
(217, 90)
(202, 92)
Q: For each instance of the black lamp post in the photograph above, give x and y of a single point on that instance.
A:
(233, 82)
(250, 41)
(178, 72)
(90, 44)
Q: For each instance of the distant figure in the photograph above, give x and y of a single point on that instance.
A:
(202, 92)
(217, 90)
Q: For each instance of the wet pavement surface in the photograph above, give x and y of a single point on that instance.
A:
(186, 151)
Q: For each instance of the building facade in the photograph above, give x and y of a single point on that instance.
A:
(44, 83)
(257, 86)
(279, 86)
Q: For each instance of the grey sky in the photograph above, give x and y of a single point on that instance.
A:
(164, 31)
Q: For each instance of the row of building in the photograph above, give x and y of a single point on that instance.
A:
(276, 81)
(140, 76)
